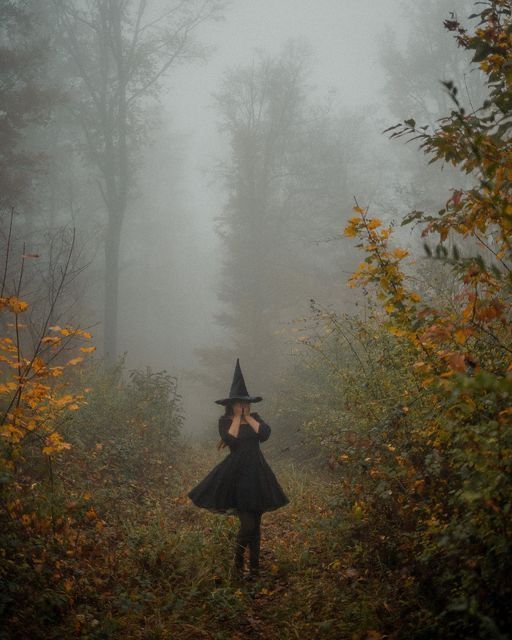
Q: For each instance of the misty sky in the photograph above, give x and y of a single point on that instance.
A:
(343, 35)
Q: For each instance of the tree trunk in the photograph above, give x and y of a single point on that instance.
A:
(112, 243)
(117, 178)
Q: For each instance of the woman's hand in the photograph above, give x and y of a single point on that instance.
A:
(252, 421)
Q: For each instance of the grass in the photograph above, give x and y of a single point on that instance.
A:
(142, 562)
(181, 584)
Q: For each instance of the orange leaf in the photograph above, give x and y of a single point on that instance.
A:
(16, 305)
(460, 335)
(457, 362)
(400, 253)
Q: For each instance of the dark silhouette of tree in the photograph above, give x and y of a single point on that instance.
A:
(285, 180)
(119, 52)
(26, 97)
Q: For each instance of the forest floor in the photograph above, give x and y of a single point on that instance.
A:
(307, 588)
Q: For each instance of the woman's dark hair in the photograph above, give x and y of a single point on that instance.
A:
(228, 412)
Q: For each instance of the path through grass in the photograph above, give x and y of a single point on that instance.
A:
(308, 588)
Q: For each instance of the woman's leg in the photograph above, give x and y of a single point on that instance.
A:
(248, 524)
(254, 544)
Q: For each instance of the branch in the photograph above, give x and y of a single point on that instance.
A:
(135, 38)
(186, 28)
(75, 52)
(8, 248)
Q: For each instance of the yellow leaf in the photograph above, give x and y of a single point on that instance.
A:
(55, 443)
(460, 336)
(396, 331)
(38, 364)
(87, 349)
(56, 371)
(75, 360)
(16, 305)
(8, 387)
(400, 253)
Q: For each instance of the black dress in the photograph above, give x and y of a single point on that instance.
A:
(243, 481)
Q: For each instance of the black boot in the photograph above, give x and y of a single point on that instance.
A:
(238, 563)
(254, 555)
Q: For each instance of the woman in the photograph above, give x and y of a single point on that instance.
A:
(243, 484)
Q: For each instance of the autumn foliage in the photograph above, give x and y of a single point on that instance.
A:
(459, 352)
(78, 447)
(411, 401)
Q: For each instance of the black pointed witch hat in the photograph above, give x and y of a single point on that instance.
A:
(238, 389)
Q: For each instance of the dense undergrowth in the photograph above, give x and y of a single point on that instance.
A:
(414, 402)
(136, 559)
(428, 499)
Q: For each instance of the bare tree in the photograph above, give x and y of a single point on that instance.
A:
(27, 99)
(285, 181)
(119, 51)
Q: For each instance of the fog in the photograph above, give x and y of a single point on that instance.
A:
(316, 194)
(174, 283)
(344, 41)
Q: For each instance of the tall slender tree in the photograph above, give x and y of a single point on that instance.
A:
(26, 98)
(119, 52)
(285, 180)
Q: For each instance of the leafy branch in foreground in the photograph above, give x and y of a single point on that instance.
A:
(33, 393)
(462, 349)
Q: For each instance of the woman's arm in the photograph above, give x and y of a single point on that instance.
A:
(259, 425)
(228, 429)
